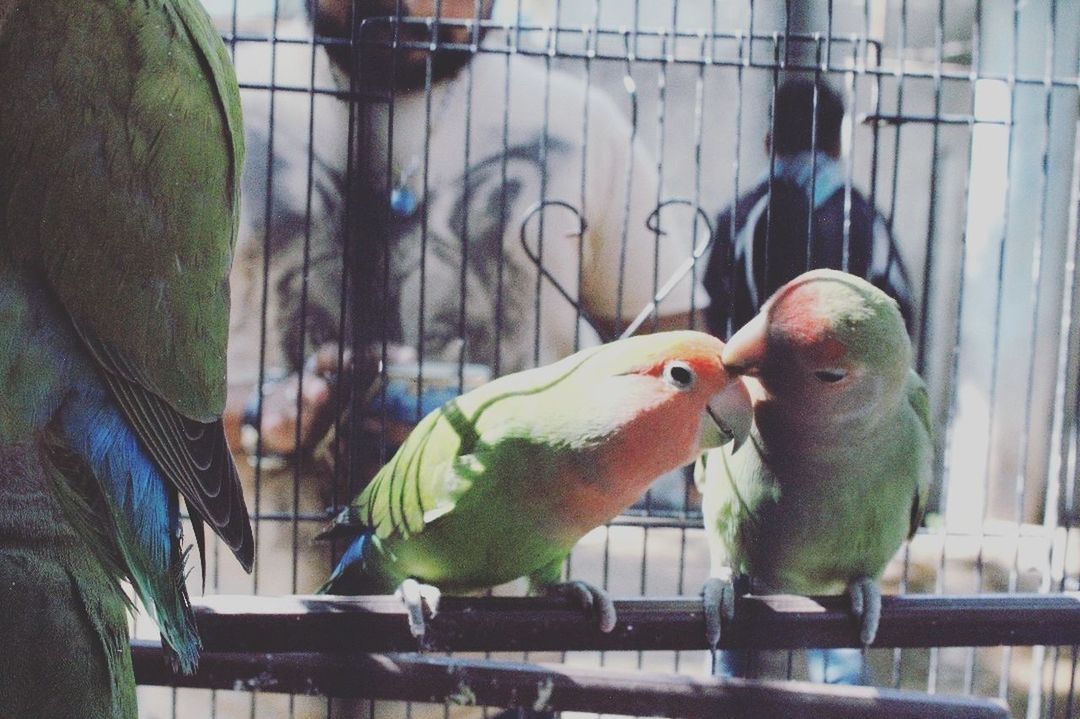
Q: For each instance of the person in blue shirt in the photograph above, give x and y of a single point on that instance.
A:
(761, 243)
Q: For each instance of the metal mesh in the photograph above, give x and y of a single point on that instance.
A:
(961, 125)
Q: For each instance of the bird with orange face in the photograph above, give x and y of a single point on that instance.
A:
(502, 481)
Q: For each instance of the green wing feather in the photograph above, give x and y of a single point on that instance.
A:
(919, 400)
(121, 186)
(434, 467)
(121, 191)
(418, 483)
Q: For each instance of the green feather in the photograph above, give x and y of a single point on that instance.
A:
(501, 482)
(149, 212)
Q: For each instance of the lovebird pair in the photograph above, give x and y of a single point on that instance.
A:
(502, 482)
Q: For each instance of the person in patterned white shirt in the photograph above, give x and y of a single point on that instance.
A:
(462, 285)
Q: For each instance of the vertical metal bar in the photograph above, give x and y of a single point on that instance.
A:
(750, 34)
(777, 64)
(850, 101)
(1069, 441)
(1038, 656)
(939, 45)
(268, 215)
(302, 336)
(969, 676)
(828, 36)
(1072, 683)
(787, 32)
(661, 117)
(590, 38)
(347, 318)
(233, 27)
(302, 339)
(500, 272)
(745, 50)
(263, 322)
(900, 83)
(543, 159)
(813, 152)
(1062, 470)
(425, 194)
(875, 102)
(631, 89)
(704, 61)
(699, 131)
(463, 279)
(976, 59)
(939, 39)
(1006, 652)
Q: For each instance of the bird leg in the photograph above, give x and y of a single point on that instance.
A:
(718, 600)
(866, 606)
(590, 598)
(415, 596)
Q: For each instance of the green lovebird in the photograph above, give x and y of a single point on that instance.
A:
(120, 149)
(836, 471)
(501, 482)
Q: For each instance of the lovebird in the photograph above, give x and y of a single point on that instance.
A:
(502, 482)
(120, 150)
(835, 474)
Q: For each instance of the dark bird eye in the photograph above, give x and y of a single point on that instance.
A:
(830, 375)
(679, 375)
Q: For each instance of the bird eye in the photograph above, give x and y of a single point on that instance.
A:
(830, 375)
(679, 375)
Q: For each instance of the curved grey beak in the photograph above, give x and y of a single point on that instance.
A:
(732, 412)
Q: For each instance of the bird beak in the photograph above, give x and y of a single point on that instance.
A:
(732, 412)
(744, 353)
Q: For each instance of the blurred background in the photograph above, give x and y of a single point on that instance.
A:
(373, 185)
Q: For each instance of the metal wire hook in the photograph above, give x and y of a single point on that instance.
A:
(652, 222)
(535, 210)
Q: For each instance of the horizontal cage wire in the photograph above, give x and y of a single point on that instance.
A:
(439, 193)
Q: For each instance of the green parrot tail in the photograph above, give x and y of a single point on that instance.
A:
(66, 651)
(115, 642)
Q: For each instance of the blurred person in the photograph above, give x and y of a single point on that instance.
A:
(461, 286)
(767, 247)
(807, 189)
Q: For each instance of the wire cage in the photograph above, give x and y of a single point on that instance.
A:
(494, 187)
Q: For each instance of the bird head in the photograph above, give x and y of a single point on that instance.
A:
(680, 377)
(826, 341)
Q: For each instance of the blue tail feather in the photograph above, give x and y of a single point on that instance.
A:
(343, 579)
(144, 508)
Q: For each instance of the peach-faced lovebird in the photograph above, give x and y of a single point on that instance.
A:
(836, 470)
(501, 482)
(120, 148)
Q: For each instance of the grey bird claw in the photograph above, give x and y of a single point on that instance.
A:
(415, 596)
(718, 599)
(590, 598)
(866, 606)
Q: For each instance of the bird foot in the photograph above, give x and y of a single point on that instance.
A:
(718, 599)
(866, 606)
(415, 596)
(590, 598)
